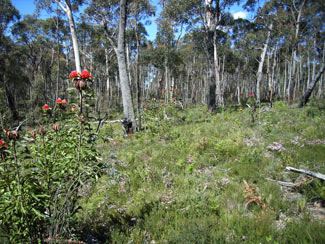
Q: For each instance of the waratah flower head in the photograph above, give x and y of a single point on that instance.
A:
(85, 74)
(2, 143)
(73, 74)
(46, 107)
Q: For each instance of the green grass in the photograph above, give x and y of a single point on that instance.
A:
(182, 180)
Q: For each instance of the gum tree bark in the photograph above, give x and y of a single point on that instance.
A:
(210, 25)
(128, 110)
(292, 76)
(137, 68)
(261, 64)
(65, 5)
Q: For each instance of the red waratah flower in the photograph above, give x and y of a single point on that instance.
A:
(85, 74)
(251, 95)
(73, 74)
(46, 107)
(2, 143)
(59, 101)
(64, 101)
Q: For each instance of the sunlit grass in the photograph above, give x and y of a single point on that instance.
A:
(182, 182)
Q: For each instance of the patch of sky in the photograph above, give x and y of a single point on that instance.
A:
(28, 7)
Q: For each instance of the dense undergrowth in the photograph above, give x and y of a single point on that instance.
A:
(195, 177)
(190, 176)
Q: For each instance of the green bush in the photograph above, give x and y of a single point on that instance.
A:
(45, 172)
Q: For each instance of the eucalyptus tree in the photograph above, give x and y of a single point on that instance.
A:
(296, 10)
(166, 52)
(8, 15)
(264, 25)
(38, 51)
(311, 87)
(298, 35)
(313, 39)
(57, 31)
(212, 16)
(68, 7)
(193, 85)
(242, 55)
(141, 10)
(113, 16)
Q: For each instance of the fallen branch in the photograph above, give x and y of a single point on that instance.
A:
(114, 121)
(283, 183)
(307, 172)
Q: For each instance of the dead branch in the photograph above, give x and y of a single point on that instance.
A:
(307, 172)
(283, 183)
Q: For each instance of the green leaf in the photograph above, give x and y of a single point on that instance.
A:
(38, 213)
(71, 89)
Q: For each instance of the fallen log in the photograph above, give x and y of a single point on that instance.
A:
(307, 172)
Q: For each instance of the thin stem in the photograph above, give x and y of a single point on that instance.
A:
(16, 162)
(80, 127)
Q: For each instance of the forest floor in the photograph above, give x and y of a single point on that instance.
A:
(198, 177)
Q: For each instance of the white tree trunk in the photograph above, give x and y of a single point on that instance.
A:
(291, 84)
(261, 64)
(219, 95)
(128, 111)
(66, 7)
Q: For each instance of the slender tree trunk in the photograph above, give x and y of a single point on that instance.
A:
(308, 69)
(292, 77)
(314, 61)
(166, 79)
(219, 93)
(321, 81)
(108, 85)
(137, 68)
(210, 31)
(311, 87)
(273, 78)
(66, 7)
(238, 84)
(259, 73)
(122, 66)
(58, 54)
(212, 73)
(10, 100)
(301, 77)
(285, 80)
(128, 64)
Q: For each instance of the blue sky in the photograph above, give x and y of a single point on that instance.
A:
(28, 7)
(24, 6)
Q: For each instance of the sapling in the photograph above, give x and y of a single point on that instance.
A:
(251, 103)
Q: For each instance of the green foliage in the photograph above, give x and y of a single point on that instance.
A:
(155, 118)
(185, 184)
(181, 180)
(44, 173)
